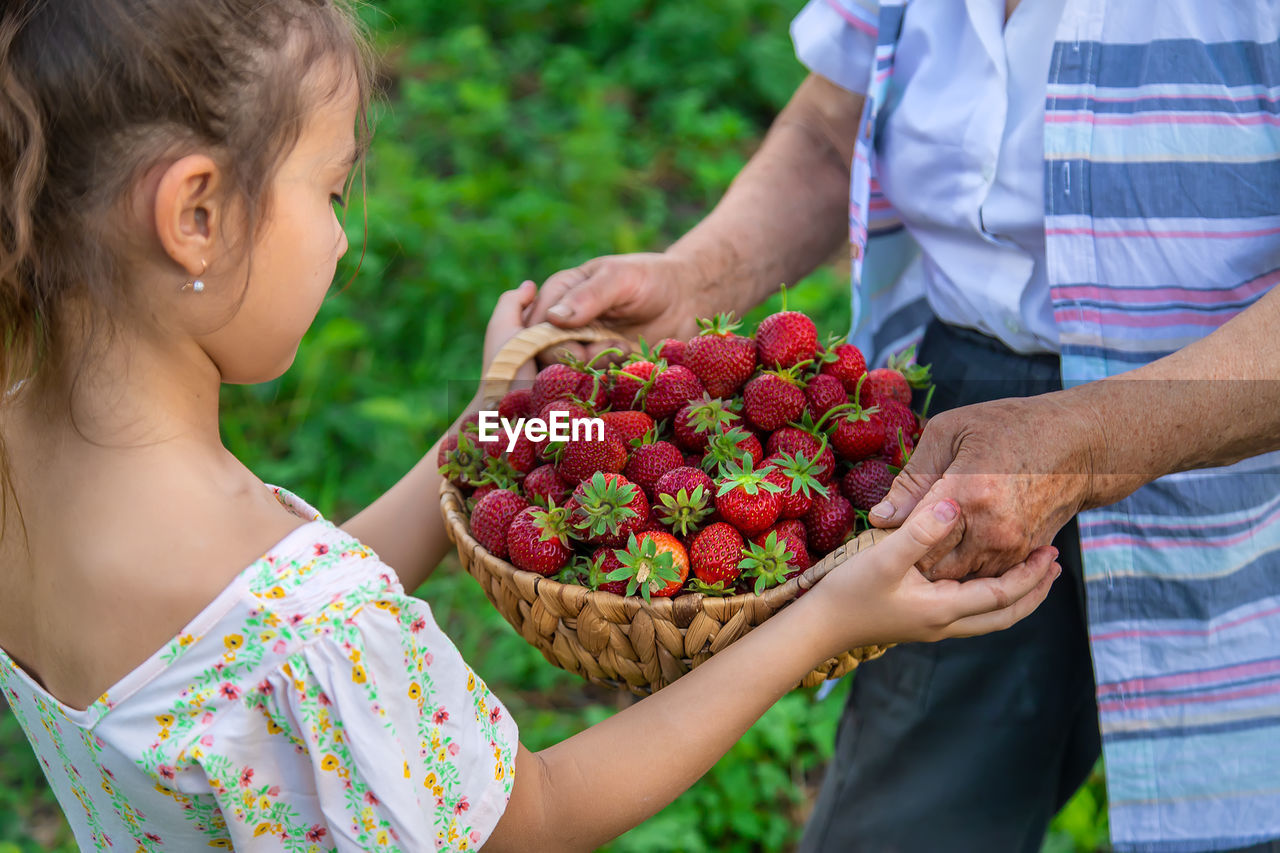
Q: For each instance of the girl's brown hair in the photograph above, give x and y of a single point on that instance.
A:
(95, 92)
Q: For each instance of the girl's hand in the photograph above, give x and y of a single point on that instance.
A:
(507, 321)
(880, 596)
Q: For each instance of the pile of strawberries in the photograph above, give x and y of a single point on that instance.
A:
(728, 464)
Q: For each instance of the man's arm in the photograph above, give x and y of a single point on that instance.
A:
(783, 215)
(1020, 469)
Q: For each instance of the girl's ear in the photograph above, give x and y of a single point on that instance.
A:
(188, 212)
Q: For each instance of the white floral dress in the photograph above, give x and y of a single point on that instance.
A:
(312, 706)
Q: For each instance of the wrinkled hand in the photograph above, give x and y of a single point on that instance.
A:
(645, 294)
(879, 596)
(1019, 469)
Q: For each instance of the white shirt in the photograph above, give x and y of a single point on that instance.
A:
(966, 174)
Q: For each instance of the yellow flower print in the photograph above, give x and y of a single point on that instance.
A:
(275, 592)
(415, 691)
(221, 843)
(165, 720)
(271, 619)
(106, 786)
(406, 770)
(185, 640)
(358, 674)
(383, 838)
(430, 781)
(498, 772)
(471, 680)
(164, 734)
(261, 829)
(233, 641)
(266, 636)
(355, 656)
(329, 762)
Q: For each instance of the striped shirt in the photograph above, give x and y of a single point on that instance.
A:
(1162, 221)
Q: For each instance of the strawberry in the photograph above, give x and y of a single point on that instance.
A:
(785, 339)
(628, 382)
(773, 399)
(799, 440)
(715, 552)
(672, 386)
(524, 455)
(654, 563)
(682, 499)
(746, 499)
(650, 461)
(631, 425)
(846, 363)
(555, 382)
(798, 475)
(604, 561)
(609, 508)
(828, 522)
(544, 485)
(896, 381)
(767, 559)
(824, 393)
(698, 420)
(866, 483)
(461, 460)
(538, 540)
(582, 458)
(722, 359)
(671, 350)
(897, 419)
(857, 434)
(491, 518)
(727, 447)
(791, 533)
(516, 404)
(900, 452)
(566, 410)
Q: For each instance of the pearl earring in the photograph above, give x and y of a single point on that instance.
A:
(197, 286)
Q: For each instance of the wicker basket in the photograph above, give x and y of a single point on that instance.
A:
(609, 639)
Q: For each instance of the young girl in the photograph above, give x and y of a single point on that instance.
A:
(198, 659)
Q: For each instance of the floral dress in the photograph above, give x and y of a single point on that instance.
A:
(312, 706)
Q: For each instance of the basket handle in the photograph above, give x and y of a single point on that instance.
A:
(533, 340)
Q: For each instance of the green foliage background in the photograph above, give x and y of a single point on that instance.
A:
(517, 138)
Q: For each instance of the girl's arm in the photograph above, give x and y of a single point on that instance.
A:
(404, 526)
(597, 784)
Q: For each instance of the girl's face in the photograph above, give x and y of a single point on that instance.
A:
(295, 254)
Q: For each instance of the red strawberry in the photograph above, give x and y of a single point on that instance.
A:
(516, 404)
(698, 420)
(798, 476)
(896, 381)
(900, 452)
(823, 394)
(481, 490)
(491, 518)
(727, 447)
(866, 483)
(897, 418)
(524, 455)
(797, 441)
(715, 552)
(846, 363)
(631, 425)
(746, 499)
(672, 387)
(829, 522)
(650, 461)
(768, 558)
(792, 534)
(561, 411)
(773, 399)
(628, 381)
(786, 339)
(655, 563)
(683, 498)
(671, 350)
(544, 485)
(538, 540)
(722, 359)
(857, 434)
(604, 561)
(588, 454)
(608, 509)
(555, 382)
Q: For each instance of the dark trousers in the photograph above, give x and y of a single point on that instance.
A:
(971, 744)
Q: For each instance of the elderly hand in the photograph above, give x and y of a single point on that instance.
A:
(651, 294)
(1019, 469)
